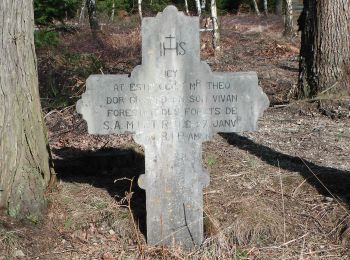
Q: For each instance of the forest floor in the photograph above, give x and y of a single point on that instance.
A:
(281, 192)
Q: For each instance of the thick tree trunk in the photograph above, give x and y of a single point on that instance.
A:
(256, 7)
(325, 47)
(24, 157)
(279, 7)
(288, 23)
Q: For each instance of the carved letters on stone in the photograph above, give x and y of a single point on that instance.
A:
(172, 103)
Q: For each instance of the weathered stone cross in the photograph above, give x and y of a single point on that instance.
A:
(171, 104)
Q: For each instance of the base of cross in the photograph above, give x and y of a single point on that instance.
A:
(174, 183)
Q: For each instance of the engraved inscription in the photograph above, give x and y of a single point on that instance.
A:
(171, 44)
(171, 104)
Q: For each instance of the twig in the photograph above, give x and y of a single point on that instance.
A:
(302, 249)
(280, 106)
(55, 253)
(326, 90)
(186, 224)
(295, 239)
(128, 198)
(301, 184)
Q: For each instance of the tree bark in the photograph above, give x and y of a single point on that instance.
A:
(265, 7)
(198, 6)
(279, 7)
(288, 23)
(91, 6)
(186, 7)
(139, 4)
(325, 47)
(214, 17)
(113, 11)
(25, 170)
(203, 2)
(256, 7)
(82, 11)
(94, 24)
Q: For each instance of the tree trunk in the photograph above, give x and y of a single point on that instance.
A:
(288, 23)
(198, 6)
(113, 11)
(82, 11)
(214, 17)
(186, 7)
(279, 7)
(94, 25)
(24, 154)
(325, 47)
(139, 2)
(203, 4)
(256, 7)
(91, 5)
(265, 7)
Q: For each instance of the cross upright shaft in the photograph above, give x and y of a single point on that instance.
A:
(171, 104)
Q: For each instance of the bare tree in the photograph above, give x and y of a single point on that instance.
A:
(198, 6)
(91, 6)
(288, 24)
(265, 7)
(256, 7)
(139, 4)
(113, 11)
(25, 171)
(186, 7)
(214, 17)
(325, 48)
(203, 4)
(82, 11)
(279, 7)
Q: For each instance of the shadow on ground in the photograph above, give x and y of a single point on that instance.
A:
(328, 181)
(103, 167)
(110, 169)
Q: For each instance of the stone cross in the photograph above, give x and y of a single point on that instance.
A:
(172, 103)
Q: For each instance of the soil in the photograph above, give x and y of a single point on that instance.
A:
(279, 193)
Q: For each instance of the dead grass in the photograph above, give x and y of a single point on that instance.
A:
(279, 193)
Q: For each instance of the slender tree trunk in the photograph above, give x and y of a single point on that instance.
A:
(139, 4)
(325, 48)
(214, 17)
(265, 7)
(288, 24)
(186, 7)
(24, 154)
(94, 25)
(91, 5)
(82, 11)
(256, 8)
(279, 7)
(198, 6)
(113, 11)
(203, 4)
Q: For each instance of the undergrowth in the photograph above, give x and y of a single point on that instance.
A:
(62, 76)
